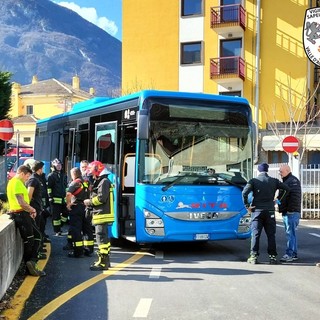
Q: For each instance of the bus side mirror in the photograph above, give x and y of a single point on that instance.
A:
(143, 125)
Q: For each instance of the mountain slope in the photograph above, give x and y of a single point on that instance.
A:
(39, 37)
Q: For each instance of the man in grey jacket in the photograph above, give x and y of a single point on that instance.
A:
(262, 211)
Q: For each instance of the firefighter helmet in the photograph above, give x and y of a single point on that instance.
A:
(55, 162)
(96, 167)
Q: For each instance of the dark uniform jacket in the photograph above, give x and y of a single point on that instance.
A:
(36, 201)
(291, 202)
(264, 189)
(57, 184)
(79, 190)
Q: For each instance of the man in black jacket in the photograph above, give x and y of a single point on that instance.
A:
(262, 211)
(290, 207)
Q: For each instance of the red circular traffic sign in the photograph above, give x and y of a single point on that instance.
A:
(290, 144)
(6, 129)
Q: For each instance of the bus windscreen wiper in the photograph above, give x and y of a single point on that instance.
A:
(229, 181)
(172, 183)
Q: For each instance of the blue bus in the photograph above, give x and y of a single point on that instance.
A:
(178, 161)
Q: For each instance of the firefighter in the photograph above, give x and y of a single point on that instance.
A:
(57, 184)
(101, 202)
(76, 193)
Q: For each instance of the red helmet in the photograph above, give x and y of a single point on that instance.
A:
(95, 167)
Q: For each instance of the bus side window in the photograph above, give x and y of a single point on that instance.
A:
(106, 149)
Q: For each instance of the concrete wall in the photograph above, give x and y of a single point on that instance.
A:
(11, 252)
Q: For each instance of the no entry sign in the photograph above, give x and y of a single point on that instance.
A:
(290, 144)
(6, 129)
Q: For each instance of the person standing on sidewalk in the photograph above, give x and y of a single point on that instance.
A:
(34, 186)
(290, 207)
(57, 185)
(262, 211)
(23, 215)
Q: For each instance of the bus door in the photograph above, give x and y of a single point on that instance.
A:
(56, 149)
(70, 155)
(127, 217)
(105, 151)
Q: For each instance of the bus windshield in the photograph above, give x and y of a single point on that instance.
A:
(196, 143)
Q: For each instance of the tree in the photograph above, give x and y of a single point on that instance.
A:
(5, 99)
(302, 113)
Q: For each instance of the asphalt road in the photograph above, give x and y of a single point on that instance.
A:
(179, 281)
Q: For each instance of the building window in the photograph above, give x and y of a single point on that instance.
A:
(26, 139)
(30, 109)
(277, 157)
(191, 52)
(191, 7)
(230, 51)
(314, 157)
(231, 93)
(230, 10)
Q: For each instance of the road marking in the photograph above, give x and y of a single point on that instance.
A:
(155, 273)
(24, 292)
(142, 308)
(53, 305)
(315, 234)
(159, 255)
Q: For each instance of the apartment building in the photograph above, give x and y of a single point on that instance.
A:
(249, 48)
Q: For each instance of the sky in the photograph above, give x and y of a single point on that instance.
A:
(106, 14)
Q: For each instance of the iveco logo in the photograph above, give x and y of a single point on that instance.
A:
(203, 215)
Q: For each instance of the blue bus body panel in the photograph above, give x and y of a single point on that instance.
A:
(105, 102)
(191, 202)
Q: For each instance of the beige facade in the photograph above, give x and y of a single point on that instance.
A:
(42, 99)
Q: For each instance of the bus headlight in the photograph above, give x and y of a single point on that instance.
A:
(244, 223)
(154, 225)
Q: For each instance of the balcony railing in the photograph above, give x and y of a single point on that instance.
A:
(227, 67)
(229, 15)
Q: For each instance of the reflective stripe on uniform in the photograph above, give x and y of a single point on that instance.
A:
(102, 218)
(105, 248)
(88, 242)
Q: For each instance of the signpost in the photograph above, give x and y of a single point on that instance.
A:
(6, 133)
(290, 144)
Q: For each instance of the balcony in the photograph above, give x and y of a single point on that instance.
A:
(227, 67)
(228, 16)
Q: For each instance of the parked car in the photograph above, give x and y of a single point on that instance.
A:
(13, 170)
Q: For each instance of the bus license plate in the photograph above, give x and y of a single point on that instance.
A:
(202, 236)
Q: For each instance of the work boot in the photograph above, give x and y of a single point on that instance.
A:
(103, 262)
(34, 270)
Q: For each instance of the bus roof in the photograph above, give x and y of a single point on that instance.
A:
(100, 102)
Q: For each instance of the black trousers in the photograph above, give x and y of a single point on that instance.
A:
(59, 212)
(263, 219)
(30, 235)
(75, 227)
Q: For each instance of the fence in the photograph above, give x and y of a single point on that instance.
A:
(310, 179)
